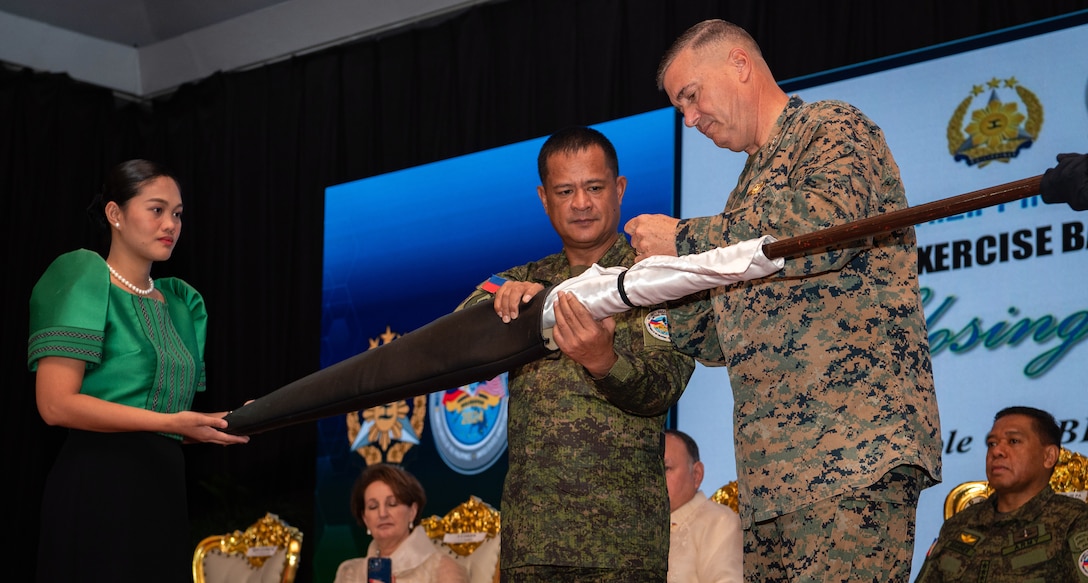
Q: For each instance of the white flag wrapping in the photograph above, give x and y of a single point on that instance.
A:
(660, 278)
(474, 345)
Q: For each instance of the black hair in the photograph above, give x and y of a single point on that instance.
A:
(1045, 425)
(689, 443)
(123, 182)
(572, 140)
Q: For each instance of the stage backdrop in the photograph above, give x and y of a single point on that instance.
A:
(405, 248)
(1003, 287)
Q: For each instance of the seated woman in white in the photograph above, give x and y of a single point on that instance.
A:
(388, 501)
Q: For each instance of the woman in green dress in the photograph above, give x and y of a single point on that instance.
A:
(118, 358)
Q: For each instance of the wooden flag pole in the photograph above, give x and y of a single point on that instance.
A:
(915, 215)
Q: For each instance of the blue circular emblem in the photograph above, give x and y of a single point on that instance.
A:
(469, 424)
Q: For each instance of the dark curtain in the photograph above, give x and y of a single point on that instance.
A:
(256, 149)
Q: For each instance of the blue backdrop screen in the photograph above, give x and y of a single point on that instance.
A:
(404, 248)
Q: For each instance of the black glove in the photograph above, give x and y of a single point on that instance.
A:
(1067, 182)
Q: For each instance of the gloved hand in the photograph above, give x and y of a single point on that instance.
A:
(1067, 182)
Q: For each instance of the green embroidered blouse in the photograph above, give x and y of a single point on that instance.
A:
(139, 351)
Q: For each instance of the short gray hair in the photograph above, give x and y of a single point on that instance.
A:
(704, 34)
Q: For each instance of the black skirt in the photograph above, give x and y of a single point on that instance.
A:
(115, 509)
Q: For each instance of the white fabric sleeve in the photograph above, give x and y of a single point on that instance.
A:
(659, 278)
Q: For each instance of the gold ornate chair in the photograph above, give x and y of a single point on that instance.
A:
(267, 552)
(470, 534)
(1070, 478)
(727, 495)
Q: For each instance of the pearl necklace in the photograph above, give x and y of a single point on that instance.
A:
(128, 284)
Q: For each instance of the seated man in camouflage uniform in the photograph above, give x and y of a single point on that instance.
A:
(1024, 531)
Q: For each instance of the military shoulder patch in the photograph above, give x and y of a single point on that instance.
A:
(657, 324)
(1079, 541)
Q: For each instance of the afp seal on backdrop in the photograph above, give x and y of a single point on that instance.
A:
(469, 424)
(994, 122)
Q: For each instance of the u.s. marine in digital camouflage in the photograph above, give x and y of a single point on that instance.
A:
(1043, 541)
(835, 416)
(829, 358)
(579, 490)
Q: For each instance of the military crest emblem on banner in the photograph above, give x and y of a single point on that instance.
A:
(386, 432)
(998, 119)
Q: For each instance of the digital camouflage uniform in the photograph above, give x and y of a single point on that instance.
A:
(829, 358)
(586, 482)
(1043, 541)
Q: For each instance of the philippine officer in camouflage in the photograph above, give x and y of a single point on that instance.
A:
(836, 428)
(1025, 532)
(584, 498)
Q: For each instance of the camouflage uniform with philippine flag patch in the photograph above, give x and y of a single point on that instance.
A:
(1043, 541)
(586, 482)
(828, 359)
